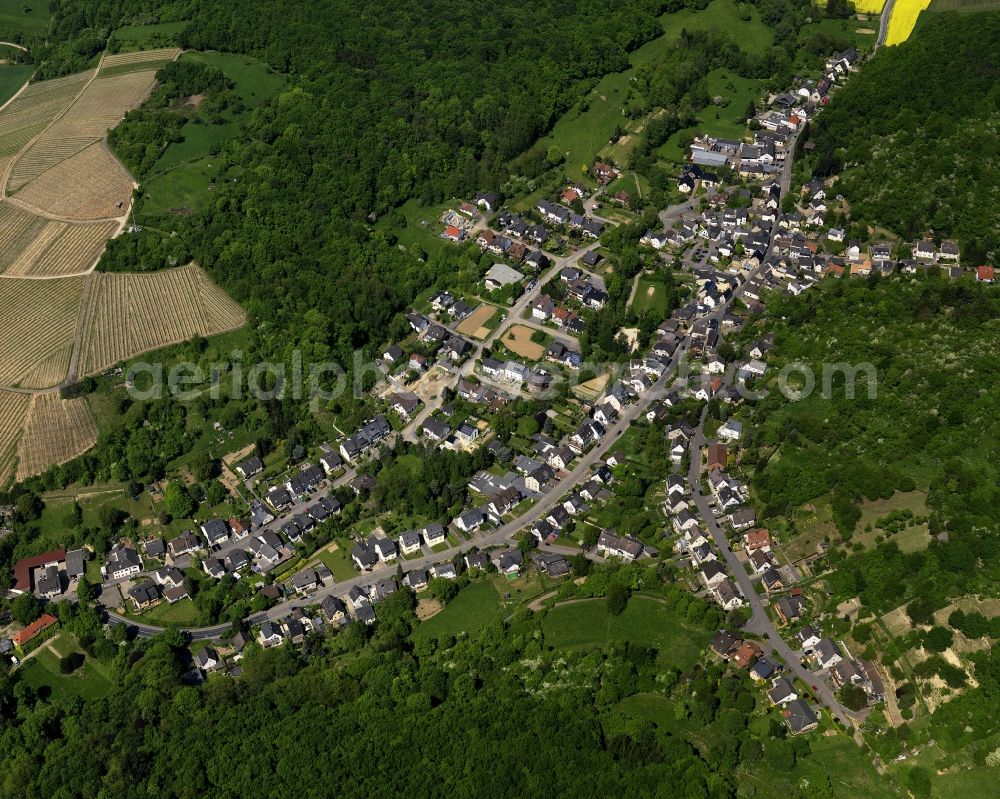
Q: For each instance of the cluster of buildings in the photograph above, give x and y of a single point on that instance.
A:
(50, 574)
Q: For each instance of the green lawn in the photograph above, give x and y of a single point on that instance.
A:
(646, 302)
(90, 681)
(649, 707)
(187, 186)
(147, 37)
(645, 622)
(475, 606)
(846, 29)
(14, 20)
(12, 78)
(339, 563)
(182, 612)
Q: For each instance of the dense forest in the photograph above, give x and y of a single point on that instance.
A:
(498, 713)
(931, 425)
(916, 135)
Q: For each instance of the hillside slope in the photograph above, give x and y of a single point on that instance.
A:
(915, 134)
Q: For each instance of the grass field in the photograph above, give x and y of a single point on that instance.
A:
(14, 19)
(834, 758)
(128, 314)
(182, 178)
(41, 316)
(645, 622)
(586, 129)
(844, 29)
(339, 563)
(475, 606)
(181, 612)
(650, 297)
(726, 120)
(12, 78)
(56, 431)
(90, 681)
(909, 539)
(144, 37)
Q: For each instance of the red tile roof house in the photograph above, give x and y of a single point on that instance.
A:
(984, 274)
(24, 567)
(759, 538)
(33, 630)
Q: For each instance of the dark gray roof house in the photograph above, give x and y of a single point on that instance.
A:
(800, 717)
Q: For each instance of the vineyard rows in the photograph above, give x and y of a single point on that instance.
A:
(138, 57)
(129, 314)
(56, 431)
(31, 246)
(89, 185)
(13, 409)
(35, 108)
(40, 316)
(100, 106)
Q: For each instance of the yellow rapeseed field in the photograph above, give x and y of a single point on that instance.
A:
(903, 19)
(869, 6)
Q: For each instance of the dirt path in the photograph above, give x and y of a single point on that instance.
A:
(635, 288)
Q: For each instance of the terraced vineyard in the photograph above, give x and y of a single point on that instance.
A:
(31, 246)
(56, 431)
(99, 106)
(13, 409)
(129, 314)
(89, 185)
(125, 63)
(70, 193)
(38, 318)
(35, 108)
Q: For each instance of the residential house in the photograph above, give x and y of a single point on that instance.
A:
(799, 717)
(609, 543)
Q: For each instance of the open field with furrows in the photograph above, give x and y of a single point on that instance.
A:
(518, 340)
(56, 431)
(475, 323)
(13, 409)
(35, 108)
(129, 314)
(39, 318)
(101, 105)
(127, 63)
(89, 185)
(31, 246)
